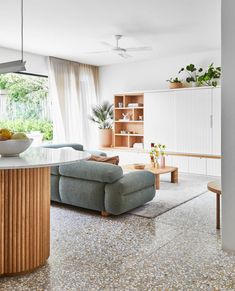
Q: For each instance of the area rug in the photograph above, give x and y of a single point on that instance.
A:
(172, 195)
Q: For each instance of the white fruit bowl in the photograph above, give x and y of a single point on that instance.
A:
(13, 147)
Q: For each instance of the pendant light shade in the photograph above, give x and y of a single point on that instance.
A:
(16, 66)
(12, 67)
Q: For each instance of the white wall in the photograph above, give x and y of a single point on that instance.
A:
(148, 75)
(228, 122)
(35, 64)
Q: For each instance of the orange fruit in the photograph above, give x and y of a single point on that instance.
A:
(5, 133)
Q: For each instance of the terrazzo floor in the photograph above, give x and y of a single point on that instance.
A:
(179, 250)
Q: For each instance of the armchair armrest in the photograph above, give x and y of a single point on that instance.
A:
(131, 182)
(132, 190)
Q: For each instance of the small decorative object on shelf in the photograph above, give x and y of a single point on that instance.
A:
(175, 83)
(157, 155)
(126, 116)
(135, 105)
(120, 104)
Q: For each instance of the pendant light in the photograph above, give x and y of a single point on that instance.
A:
(19, 65)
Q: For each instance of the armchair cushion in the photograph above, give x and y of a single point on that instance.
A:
(90, 170)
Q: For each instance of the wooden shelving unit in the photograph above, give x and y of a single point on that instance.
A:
(128, 132)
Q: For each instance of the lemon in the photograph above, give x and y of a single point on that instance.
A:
(19, 135)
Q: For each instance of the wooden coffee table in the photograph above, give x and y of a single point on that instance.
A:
(157, 172)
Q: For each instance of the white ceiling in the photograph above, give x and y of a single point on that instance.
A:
(69, 28)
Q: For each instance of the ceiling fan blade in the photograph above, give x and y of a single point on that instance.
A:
(95, 52)
(124, 55)
(107, 44)
(138, 49)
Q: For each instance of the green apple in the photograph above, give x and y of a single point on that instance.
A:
(19, 135)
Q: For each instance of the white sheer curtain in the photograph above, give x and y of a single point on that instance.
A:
(74, 89)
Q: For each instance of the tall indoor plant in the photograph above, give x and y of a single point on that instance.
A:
(102, 114)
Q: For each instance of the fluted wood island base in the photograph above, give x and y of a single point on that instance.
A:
(25, 206)
(24, 219)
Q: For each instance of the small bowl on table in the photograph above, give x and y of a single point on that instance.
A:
(139, 166)
(13, 147)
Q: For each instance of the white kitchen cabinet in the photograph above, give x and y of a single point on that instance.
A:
(159, 119)
(187, 121)
(183, 120)
(181, 162)
(216, 121)
(197, 165)
(201, 132)
(213, 167)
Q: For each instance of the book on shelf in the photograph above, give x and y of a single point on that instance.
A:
(135, 105)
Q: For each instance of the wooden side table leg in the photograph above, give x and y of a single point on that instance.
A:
(174, 176)
(218, 211)
(157, 181)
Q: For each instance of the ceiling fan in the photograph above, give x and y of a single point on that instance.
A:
(122, 52)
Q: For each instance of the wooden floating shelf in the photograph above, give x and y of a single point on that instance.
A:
(129, 108)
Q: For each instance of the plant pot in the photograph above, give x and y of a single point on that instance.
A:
(175, 85)
(194, 84)
(105, 136)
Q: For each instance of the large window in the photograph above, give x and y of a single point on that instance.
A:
(25, 105)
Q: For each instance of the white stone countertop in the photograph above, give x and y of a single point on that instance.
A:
(37, 157)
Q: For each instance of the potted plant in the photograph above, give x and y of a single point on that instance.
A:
(192, 72)
(211, 76)
(157, 155)
(102, 114)
(175, 83)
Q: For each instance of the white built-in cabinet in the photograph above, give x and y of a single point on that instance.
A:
(188, 121)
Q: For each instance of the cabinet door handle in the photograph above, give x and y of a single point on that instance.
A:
(211, 121)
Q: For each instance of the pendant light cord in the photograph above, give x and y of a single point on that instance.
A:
(22, 30)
